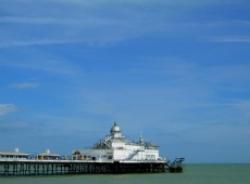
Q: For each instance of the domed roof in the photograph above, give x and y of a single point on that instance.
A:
(115, 128)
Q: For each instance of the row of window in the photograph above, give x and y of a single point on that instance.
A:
(12, 156)
(150, 157)
(90, 157)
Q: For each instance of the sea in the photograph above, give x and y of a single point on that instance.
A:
(193, 174)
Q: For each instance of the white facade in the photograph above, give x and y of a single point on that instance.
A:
(14, 155)
(116, 147)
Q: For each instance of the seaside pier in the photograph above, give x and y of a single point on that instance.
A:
(110, 155)
(60, 167)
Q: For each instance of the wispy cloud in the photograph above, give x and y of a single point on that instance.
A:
(96, 3)
(39, 42)
(7, 108)
(88, 22)
(14, 126)
(231, 39)
(25, 85)
(38, 20)
(59, 67)
(99, 22)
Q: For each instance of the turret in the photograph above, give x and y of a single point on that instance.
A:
(115, 131)
(141, 140)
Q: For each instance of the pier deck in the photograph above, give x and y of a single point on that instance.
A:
(60, 167)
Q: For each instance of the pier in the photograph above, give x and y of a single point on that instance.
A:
(61, 167)
(113, 154)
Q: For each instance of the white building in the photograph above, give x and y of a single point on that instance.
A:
(47, 155)
(14, 155)
(116, 147)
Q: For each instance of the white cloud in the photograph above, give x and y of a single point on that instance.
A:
(94, 21)
(58, 66)
(25, 85)
(231, 39)
(37, 20)
(7, 108)
(37, 42)
(96, 3)
(100, 22)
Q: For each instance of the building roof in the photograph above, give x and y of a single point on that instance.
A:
(14, 153)
(49, 154)
(115, 128)
(106, 142)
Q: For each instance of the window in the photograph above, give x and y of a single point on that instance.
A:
(110, 157)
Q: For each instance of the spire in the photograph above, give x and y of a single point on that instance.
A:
(115, 128)
(115, 131)
(141, 140)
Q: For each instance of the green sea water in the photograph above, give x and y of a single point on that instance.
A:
(193, 174)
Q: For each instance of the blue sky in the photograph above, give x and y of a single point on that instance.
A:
(176, 72)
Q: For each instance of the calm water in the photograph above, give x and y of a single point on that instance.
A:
(193, 174)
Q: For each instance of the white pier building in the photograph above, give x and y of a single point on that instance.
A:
(116, 147)
(112, 154)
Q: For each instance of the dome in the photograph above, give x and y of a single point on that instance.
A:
(115, 128)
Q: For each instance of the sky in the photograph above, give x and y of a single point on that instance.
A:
(176, 72)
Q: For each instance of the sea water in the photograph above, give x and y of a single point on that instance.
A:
(193, 174)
